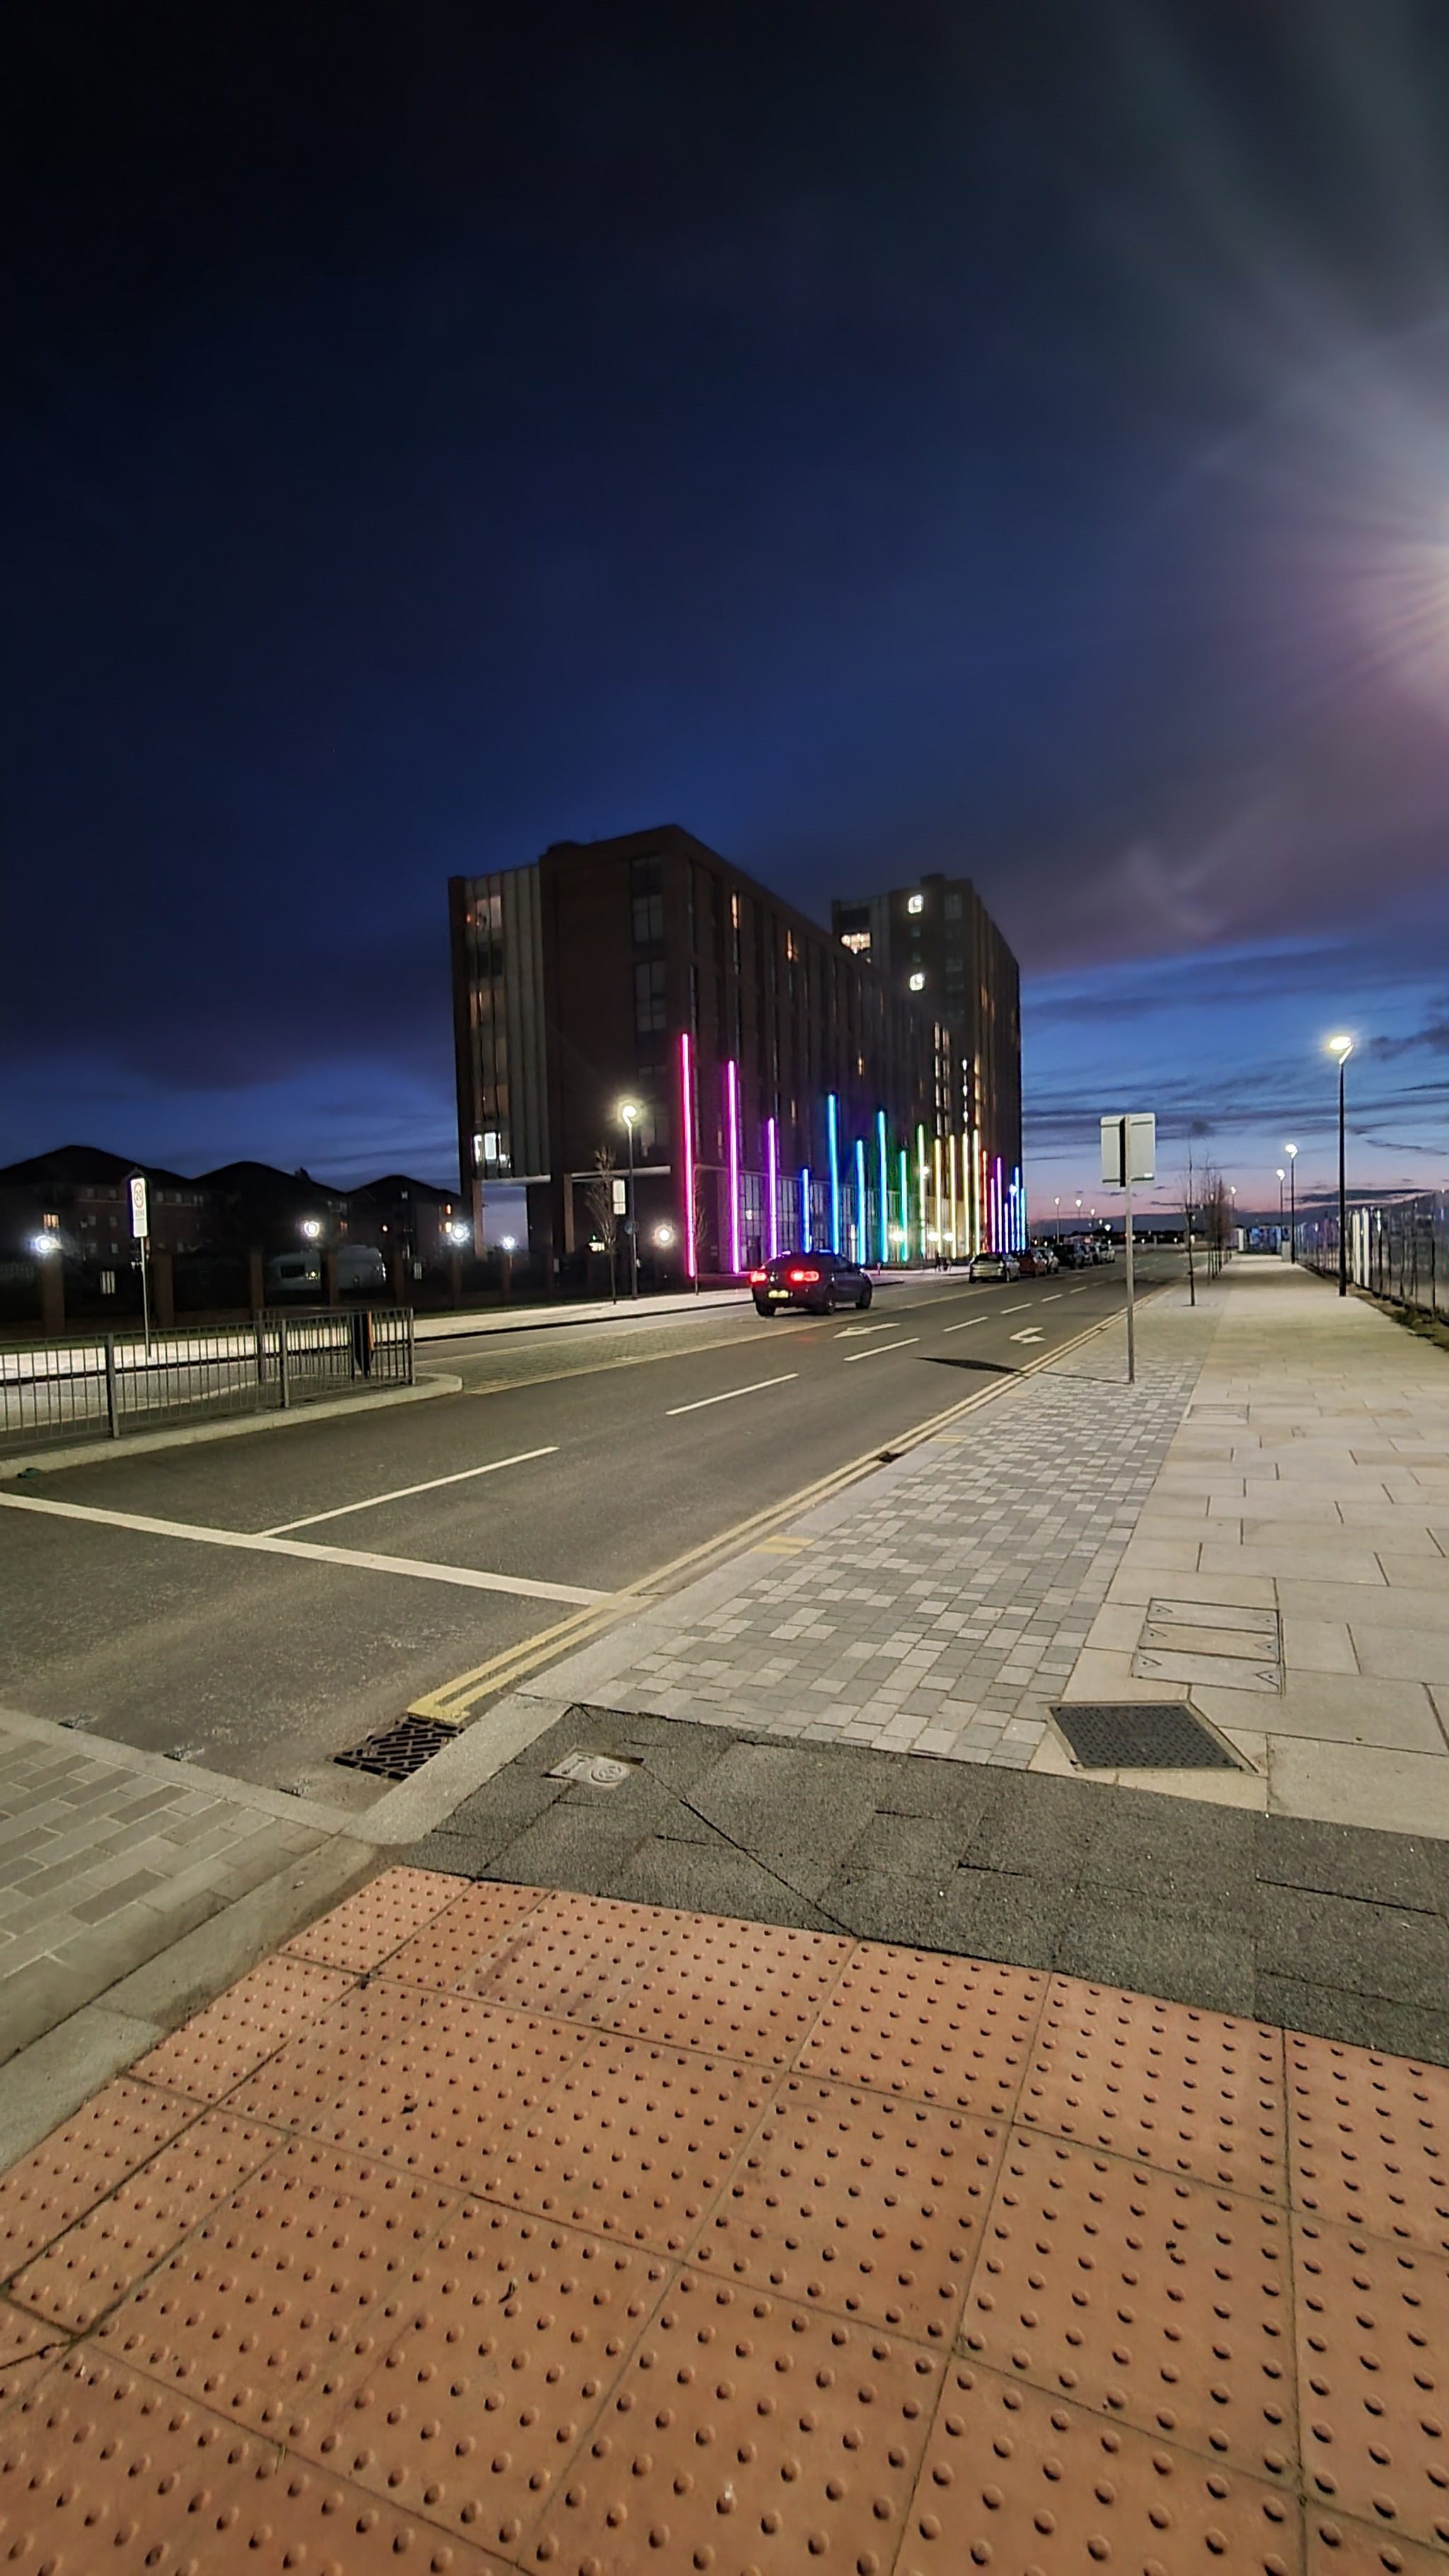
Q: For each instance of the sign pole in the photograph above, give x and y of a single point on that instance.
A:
(1131, 1331)
(141, 1229)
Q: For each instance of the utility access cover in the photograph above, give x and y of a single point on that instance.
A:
(596, 1770)
(399, 1750)
(1140, 1735)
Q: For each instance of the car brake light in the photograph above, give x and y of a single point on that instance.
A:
(803, 1278)
(757, 1278)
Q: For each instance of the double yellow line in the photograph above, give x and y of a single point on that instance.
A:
(454, 1702)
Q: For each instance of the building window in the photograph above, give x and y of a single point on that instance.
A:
(649, 998)
(915, 903)
(918, 983)
(857, 941)
(953, 907)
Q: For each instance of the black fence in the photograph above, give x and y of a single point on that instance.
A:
(1396, 1248)
(100, 1386)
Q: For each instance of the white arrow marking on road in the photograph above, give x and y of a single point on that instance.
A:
(1032, 1334)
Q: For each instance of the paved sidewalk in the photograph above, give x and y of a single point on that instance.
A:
(486, 2230)
(1260, 1528)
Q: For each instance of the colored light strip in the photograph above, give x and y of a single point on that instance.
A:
(732, 1125)
(905, 1206)
(862, 1245)
(686, 1132)
(921, 1192)
(832, 1129)
(772, 1184)
(884, 1211)
(998, 1238)
(955, 1193)
(807, 1244)
(940, 1223)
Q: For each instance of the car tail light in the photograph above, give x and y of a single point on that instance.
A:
(803, 1278)
(758, 1278)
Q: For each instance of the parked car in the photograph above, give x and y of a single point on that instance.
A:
(1072, 1253)
(994, 1265)
(1037, 1261)
(816, 1281)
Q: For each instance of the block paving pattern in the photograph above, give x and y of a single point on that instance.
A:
(486, 2229)
(944, 1611)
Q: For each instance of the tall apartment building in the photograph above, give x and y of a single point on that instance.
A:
(788, 1092)
(937, 944)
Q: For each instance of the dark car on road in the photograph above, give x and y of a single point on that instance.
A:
(818, 1281)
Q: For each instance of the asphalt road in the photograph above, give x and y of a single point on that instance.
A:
(406, 1546)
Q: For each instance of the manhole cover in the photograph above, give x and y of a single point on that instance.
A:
(399, 1750)
(1140, 1735)
(596, 1770)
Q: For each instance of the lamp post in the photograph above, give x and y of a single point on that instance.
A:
(1058, 1206)
(1292, 1153)
(629, 1111)
(1342, 1048)
(1282, 1177)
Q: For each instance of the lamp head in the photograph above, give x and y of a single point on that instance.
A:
(1292, 1152)
(1282, 1174)
(629, 1111)
(1341, 1047)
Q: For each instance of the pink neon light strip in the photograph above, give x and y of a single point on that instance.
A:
(686, 1131)
(732, 1115)
(772, 1184)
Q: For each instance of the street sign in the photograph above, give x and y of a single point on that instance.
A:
(621, 1197)
(1129, 1149)
(140, 1222)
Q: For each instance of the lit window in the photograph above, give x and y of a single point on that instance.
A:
(490, 1145)
(857, 941)
(915, 903)
(918, 983)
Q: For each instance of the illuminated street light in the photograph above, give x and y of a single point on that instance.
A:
(311, 1228)
(629, 1112)
(664, 1234)
(1342, 1048)
(44, 1244)
(1292, 1153)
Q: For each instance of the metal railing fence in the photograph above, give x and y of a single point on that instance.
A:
(1397, 1248)
(99, 1386)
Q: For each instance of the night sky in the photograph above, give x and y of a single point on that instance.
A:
(1008, 439)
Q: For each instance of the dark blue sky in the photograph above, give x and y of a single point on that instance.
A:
(1000, 439)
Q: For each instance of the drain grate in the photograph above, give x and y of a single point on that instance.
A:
(399, 1750)
(1140, 1735)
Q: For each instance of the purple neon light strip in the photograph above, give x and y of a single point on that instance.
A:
(732, 1115)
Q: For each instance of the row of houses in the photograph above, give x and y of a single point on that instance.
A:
(75, 1203)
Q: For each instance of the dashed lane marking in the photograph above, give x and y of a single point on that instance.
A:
(882, 1350)
(730, 1393)
(400, 1493)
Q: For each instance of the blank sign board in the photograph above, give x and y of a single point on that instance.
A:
(1129, 1148)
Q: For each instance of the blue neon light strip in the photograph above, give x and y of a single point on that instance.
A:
(807, 1245)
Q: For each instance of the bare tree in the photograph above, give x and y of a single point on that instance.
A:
(602, 1214)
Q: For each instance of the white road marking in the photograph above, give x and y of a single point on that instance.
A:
(255, 1542)
(728, 1397)
(1032, 1333)
(966, 1327)
(401, 1492)
(1017, 1310)
(1052, 1299)
(882, 1350)
(845, 1335)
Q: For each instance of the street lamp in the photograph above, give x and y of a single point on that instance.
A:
(1292, 1153)
(1282, 1177)
(1058, 1205)
(629, 1111)
(1342, 1048)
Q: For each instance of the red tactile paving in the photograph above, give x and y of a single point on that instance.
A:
(516, 2335)
(1194, 2092)
(1017, 2480)
(943, 2030)
(1373, 2368)
(868, 2206)
(747, 2433)
(704, 2246)
(579, 1956)
(738, 1989)
(426, 2081)
(91, 2266)
(1147, 2297)
(119, 2130)
(207, 2057)
(461, 1944)
(1370, 2140)
(360, 1934)
(637, 2142)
